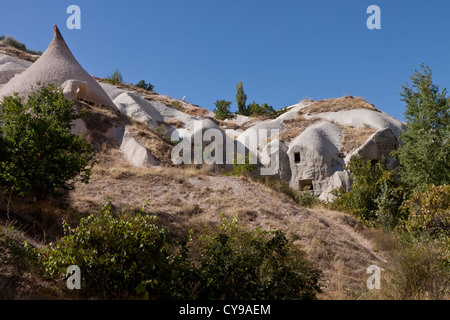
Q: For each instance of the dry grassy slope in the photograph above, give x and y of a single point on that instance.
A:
(192, 199)
(14, 52)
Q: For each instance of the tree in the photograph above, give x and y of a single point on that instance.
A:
(255, 110)
(222, 110)
(241, 99)
(39, 153)
(146, 86)
(425, 151)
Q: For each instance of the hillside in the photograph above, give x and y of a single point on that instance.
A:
(130, 130)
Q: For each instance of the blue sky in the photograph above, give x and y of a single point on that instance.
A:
(283, 51)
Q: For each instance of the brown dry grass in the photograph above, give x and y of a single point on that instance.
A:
(190, 198)
(197, 112)
(193, 198)
(100, 119)
(294, 127)
(338, 104)
(14, 52)
(354, 137)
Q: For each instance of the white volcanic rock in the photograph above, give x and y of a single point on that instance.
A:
(57, 65)
(10, 66)
(314, 158)
(133, 105)
(361, 117)
(135, 153)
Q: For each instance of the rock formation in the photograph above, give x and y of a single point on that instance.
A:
(58, 65)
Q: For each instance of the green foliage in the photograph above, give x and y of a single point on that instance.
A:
(255, 110)
(241, 99)
(115, 77)
(368, 182)
(146, 86)
(429, 211)
(177, 105)
(117, 254)
(239, 264)
(425, 153)
(15, 43)
(18, 45)
(222, 110)
(387, 212)
(39, 153)
(306, 198)
(162, 131)
(242, 169)
(128, 255)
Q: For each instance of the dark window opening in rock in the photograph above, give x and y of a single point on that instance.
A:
(297, 157)
(305, 185)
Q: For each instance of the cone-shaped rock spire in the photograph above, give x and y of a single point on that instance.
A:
(56, 65)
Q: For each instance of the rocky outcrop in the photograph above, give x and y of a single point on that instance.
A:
(57, 65)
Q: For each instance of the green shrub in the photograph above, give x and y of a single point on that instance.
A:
(387, 216)
(117, 254)
(115, 77)
(429, 211)
(38, 152)
(128, 255)
(256, 110)
(177, 105)
(222, 110)
(368, 181)
(306, 198)
(15, 43)
(146, 86)
(18, 45)
(239, 264)
(242, 169)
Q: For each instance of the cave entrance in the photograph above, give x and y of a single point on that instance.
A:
(306, 184)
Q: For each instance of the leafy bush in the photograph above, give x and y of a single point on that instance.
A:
(388, 208)
(18, 45)
(115, 77)
(242, 169)
(128, 255)
(256, 110)
(39, 153)
(239, 264)
(117, 255)
(15, 43)
(368, 181)
(146, 86)
(306, 198)
(222, 110)
(177, 105)
(429, 211)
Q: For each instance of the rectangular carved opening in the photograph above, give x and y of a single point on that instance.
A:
(297, 157)
(306, 185)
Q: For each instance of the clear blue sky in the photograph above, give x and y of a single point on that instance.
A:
(283, 51)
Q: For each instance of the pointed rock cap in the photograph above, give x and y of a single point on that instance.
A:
(56, 65)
